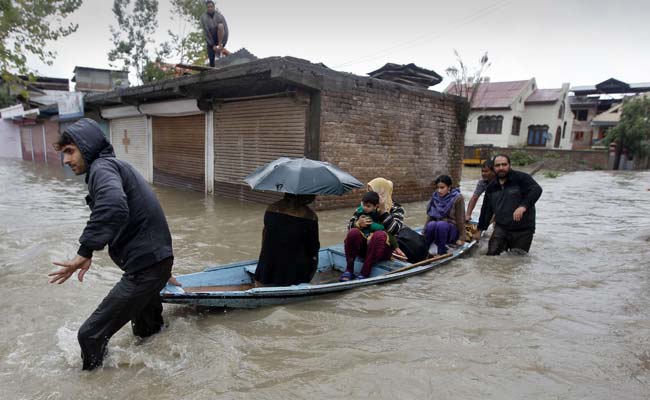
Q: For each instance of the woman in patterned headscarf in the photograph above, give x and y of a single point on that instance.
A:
(377, 248)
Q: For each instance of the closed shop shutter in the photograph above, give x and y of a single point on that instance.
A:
(129, 140)
(38, 141)
(51, 136)
(26, 143)
(179, 151)
(248, 134)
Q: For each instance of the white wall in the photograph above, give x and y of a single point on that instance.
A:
(505, 138)
(9, 140)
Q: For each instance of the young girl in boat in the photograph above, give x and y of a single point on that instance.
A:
(445, 216)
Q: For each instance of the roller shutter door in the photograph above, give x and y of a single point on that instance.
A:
(51, 136)
(26, 143)
(129, 140)
(38, 141)
(179, 151)
(248, 134)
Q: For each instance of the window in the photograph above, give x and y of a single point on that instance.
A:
(560, 114)
(537, 135)
(490, 124)
(564, 130)
(516, 126)
(579, 135)
(582, 115)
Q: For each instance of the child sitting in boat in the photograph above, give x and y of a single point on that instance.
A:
(369, 209)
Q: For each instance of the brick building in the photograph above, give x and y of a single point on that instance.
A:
(209, 130)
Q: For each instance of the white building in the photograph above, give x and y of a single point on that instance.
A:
(519, 114)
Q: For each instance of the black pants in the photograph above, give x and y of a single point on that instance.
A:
(135, 298)
(211, 54)
(502, 240)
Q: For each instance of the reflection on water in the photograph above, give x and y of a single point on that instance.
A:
(569, 321)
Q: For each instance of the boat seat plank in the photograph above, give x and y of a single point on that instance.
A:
(205, 289)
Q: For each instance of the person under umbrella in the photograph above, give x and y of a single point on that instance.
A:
(290, 241)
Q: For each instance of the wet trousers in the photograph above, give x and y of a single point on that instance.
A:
(441, 233)
(503, 240)
(135, 298)
(373, 250)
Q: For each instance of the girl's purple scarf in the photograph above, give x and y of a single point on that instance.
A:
(439, 207)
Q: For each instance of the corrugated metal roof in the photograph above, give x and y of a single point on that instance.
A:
(544, 96)
(494, 94)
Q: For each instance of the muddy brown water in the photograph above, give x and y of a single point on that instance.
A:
(569, 321)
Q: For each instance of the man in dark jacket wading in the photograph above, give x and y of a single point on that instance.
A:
(126, 216)
(511, 199)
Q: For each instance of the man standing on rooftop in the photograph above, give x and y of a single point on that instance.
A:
(215, 30)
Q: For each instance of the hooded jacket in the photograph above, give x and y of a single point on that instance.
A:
(125, 213)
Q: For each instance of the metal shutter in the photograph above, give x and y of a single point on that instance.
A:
(129, 140)
(51, 136)
(38, 141)
(179, 151)
(26, 143)
(248, 134)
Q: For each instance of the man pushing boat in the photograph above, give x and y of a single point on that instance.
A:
(126, 216)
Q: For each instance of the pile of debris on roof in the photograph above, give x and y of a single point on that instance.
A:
(409, 74)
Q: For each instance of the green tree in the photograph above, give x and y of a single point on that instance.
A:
(633, 130)
(465, 83)
(136, 24)
(26, 27)
(187, 45)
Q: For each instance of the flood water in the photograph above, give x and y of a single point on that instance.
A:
(569, 321)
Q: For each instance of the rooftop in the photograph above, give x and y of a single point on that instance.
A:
(259, 77)
(541, 96)
(408, 74)
(494, 95)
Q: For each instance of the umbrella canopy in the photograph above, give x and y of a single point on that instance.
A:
(302, 176)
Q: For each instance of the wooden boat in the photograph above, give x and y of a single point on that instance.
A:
(232, 285)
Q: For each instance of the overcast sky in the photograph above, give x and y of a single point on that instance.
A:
(578, 41)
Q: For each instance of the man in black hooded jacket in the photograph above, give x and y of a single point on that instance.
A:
(511, 199)
(126, 216)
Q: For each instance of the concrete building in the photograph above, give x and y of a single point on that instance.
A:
(589, 102)
(91, 80)
(519, 114)
(209, 130)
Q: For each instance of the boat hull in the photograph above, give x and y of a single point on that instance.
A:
(230, 286)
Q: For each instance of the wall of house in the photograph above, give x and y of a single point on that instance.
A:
(563, 160)
(586, 128)
(542, 114)
(407, 136)
(9, 140)
(93, 80)
(497, 139)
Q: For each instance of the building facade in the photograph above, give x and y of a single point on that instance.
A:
(519, 114)
(209, 130)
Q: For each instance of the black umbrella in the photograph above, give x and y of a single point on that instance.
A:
(302, 176)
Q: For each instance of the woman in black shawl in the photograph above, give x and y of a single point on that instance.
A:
(290, 244)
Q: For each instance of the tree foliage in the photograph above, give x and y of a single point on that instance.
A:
(187, 44)
(26, 27)
(136, 24)
(633, 129)
(465, 83)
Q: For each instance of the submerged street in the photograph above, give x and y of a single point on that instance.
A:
(571, 320)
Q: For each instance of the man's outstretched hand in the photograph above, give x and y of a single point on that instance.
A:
(78, 263)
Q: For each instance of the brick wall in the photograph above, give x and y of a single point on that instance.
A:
(564, 160)
(372, 129)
